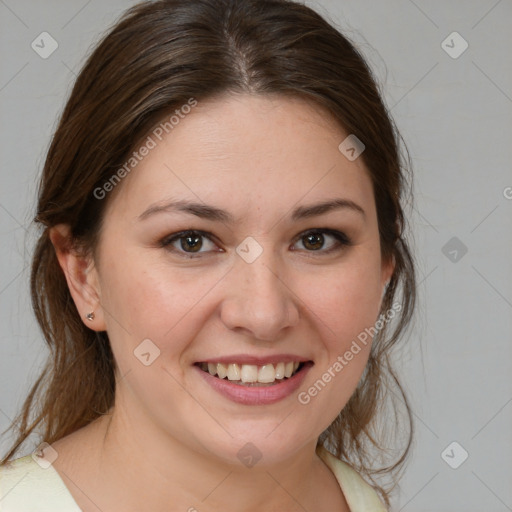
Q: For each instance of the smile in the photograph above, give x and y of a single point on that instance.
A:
(254, 384)
(251, 374)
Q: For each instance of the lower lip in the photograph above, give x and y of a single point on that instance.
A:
(255, 395)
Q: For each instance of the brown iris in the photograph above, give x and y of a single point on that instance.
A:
(191, 242)
(313, 241)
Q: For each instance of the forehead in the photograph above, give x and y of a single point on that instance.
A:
(247, 150)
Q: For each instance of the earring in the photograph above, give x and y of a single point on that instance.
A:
(90, 316)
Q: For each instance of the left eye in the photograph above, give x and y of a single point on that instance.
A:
(315, 240)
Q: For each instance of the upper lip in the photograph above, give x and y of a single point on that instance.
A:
(256, 360)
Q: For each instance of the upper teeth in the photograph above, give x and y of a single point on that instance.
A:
(252, 373)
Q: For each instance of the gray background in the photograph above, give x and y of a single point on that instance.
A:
(455, 114)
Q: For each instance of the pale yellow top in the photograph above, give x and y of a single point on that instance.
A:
(27, 487)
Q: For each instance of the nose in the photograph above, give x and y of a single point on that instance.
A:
(259, 301)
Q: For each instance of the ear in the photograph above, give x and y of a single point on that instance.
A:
(81, 276)
(388, 267)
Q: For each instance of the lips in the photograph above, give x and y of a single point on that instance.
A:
(254, 381)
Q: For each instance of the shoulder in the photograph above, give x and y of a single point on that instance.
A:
(26, 486)
(360, 495)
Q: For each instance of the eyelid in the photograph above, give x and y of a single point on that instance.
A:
(179, 234)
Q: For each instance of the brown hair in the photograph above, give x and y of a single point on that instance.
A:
(158, 56)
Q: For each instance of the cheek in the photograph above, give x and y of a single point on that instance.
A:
(343, 309)
(344, 301)
(148, 299)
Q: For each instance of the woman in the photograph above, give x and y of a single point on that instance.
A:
(222, 243)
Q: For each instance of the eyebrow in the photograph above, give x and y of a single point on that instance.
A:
(212, 213)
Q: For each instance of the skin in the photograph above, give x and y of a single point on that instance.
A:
(171, 442)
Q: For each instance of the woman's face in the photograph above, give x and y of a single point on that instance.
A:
(268, 277)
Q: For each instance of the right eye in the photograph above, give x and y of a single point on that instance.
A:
(188, 243)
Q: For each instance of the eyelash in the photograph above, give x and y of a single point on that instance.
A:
(342, 240)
